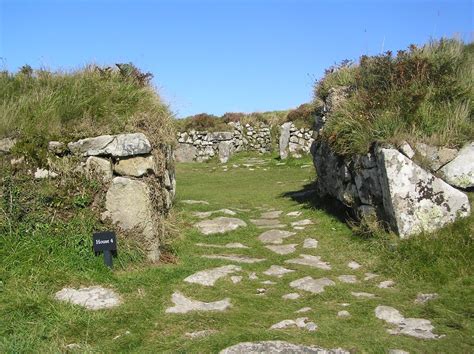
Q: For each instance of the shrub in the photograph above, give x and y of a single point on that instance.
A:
(233, 117)
(421, 94)
(302, 116)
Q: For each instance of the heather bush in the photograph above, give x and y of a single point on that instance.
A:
(421, 94)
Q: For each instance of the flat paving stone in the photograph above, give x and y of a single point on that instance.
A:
(275, 236)
(282, 249)
(299, 227)
(311, 261)
(185, 305)
(268, 282)
(291, 296)
(315, 286)
(423, 298)
(277, 271)
(310, 243)
(362, 294)
(304, 222)
(228, 245)
(351, 279)
(275, 214)
(343, 314)
(414, 327)
(301, 322)
(234, 258)
(267, 223)
(386, 284)
(206, 214)
(253, 276)
(191, 202)
(92, 298)
(200, 334)
(294, 213)
(219, 225)
(353, 265)
(236, 279)
(303, 310)
(370, 276)
(276, 346)
(209, 277)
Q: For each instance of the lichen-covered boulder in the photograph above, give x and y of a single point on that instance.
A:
(414, 199)
(112, 145)
(460, 171)
(129, 205)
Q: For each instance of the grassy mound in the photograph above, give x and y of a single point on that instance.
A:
(422, 94)
(39, 105)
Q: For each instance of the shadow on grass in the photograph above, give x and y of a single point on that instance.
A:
(309, 197)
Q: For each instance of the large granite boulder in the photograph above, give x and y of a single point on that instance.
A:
(414, 199)
(112, 145)
(185, 153)
(460, 171)
(284, 139)
(129, 205)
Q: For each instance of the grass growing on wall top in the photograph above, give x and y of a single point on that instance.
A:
(421, 94)
(40, 105)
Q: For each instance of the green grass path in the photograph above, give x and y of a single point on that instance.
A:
(31, 320)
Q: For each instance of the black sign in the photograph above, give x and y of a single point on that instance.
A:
(105, 242)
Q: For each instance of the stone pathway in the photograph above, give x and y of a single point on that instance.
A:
(415, 327)
(210, 276)
(277, 346)
(311, 261)
(206, 214)
(228, 245)
(219, 225)
(275, 236)
(234, 258)
(301, 322)
(184, 304)
(315, 286)
(92, 298)
(282, 249)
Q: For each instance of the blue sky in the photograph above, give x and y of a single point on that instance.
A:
(222, 56)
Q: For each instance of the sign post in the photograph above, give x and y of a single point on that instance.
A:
(105, 242)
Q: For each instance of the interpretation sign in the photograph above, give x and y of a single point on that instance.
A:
(105, 242)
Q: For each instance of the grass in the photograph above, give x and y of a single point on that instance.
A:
(39, 105)
(423, 94)
(41, 254)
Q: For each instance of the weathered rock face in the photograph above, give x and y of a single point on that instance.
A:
(128, 204)
(185, 153)
(460, 171)
(225, 149)
(278, 347)
(112, 145)
(434, 156)
(415, 200)
(99, 166)
(284, 140)
(137, 166)
(389, 186)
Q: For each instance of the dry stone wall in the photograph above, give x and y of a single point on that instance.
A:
(202, 145)
(409, 189)
(138, 176)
